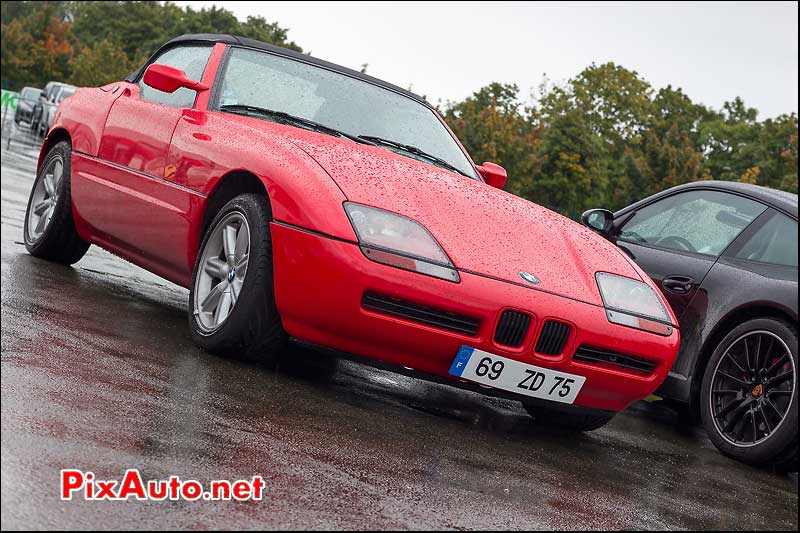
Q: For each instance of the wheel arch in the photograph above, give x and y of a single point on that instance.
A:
(55, 137)
(731, 320)
(228, 187)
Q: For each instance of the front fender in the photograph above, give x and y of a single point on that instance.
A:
(207, 147)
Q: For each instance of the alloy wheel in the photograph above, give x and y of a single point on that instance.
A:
(752, 388)
(45, 198)
(223, 266)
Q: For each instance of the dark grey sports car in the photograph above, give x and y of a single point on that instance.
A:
(725, 256)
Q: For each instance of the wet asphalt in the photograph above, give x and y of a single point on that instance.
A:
(99, 373)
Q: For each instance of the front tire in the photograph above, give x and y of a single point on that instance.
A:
(49, 229)
(232, 299)
(748, 400)
(569, 421)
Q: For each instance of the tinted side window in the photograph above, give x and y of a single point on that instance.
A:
(191, 60)
(775, 242)
(703, 222)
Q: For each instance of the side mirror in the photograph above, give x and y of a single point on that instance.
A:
(169, 79)
(599, 220)
(493, 174)
(43, 94)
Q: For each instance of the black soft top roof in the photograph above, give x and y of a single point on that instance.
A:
(252, 43)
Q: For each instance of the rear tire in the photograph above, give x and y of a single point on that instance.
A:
(567, 420)
(251, 329)
(57, 240)
(774, 440)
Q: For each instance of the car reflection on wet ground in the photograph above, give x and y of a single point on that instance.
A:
(99, 373)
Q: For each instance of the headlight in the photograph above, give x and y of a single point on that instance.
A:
(632, 303)
(398, 241)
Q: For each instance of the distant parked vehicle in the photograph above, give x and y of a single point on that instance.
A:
(725, 255)
(45, 97)
(49, 110)
(26, 103)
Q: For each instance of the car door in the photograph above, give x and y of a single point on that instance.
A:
(678, 238)
(134, 210)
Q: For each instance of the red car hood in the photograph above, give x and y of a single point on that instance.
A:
(482, 229)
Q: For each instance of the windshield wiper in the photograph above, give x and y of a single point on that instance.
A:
(284, 117)
(635, 235)
(416, 151)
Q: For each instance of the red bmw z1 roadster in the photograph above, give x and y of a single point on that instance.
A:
(298, 199)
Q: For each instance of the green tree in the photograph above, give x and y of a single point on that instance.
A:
(35, 48)
(740, 148)
(258, 28)
(789, 159)
(606, 109)
(16, 61)
(668, 154)
(99, 64)
(603, 138)
(139, 28)
(493, 127)
(615, 102)
(574, 173)
(778, 161)
(70, 41)
(730, 141)
(606, 138)
(20, 10)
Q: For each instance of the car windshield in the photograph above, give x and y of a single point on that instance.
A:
(353, 106)
(700, 221)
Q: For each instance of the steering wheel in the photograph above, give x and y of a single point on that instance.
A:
(677, 242)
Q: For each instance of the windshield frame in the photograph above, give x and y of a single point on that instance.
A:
(213, 103)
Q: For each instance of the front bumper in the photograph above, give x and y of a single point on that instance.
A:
(320, 283)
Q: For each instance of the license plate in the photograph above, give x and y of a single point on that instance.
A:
(510, 375)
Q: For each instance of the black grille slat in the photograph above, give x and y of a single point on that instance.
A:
(512, 328)
(420, 313)
(520, 329)
(586, 354)
(418, 310)
(553, 338)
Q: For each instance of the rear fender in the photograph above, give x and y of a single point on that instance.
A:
(83, 115)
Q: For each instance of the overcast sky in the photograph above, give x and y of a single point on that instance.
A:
(445, 51)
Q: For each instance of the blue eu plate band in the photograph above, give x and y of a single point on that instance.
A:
(460, 362)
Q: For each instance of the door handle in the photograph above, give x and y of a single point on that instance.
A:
(678, 284)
